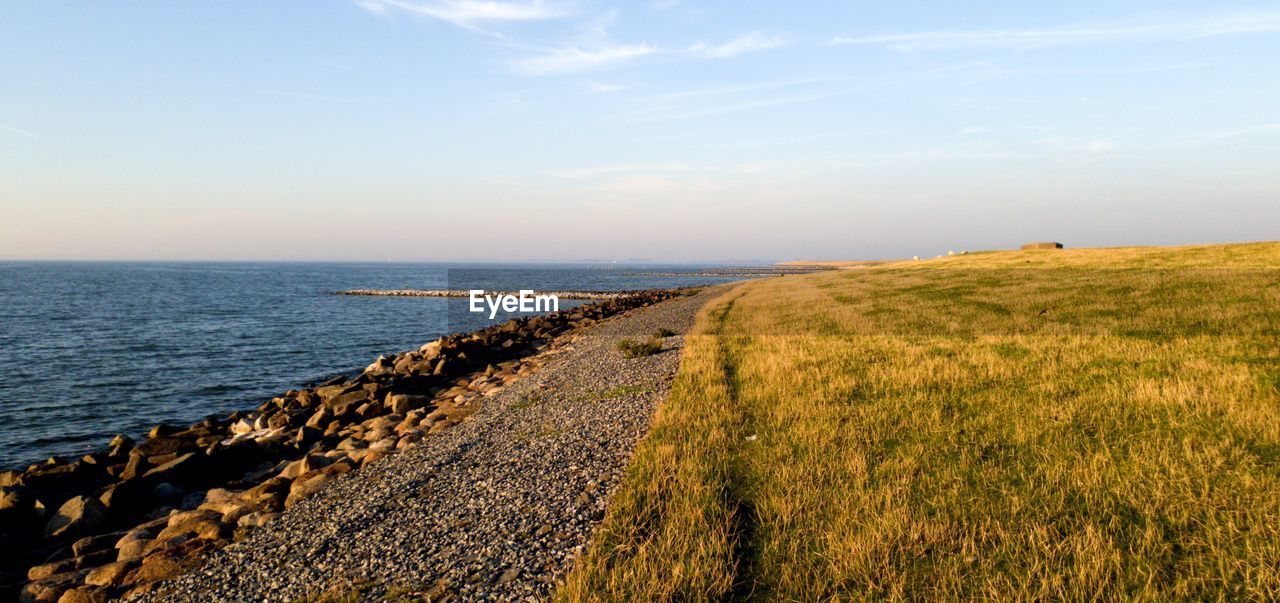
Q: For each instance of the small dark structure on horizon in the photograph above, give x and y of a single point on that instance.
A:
(1046, 245)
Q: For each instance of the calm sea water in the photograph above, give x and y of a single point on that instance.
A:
(88, 350)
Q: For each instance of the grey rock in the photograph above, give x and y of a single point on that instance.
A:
(78, 515)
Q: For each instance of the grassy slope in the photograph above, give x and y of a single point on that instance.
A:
(1053, 424)
(835, 263)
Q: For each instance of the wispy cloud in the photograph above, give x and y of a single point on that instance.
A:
(746, 87)
(737, 97)
(748, 43)
(665, 4)
(1260, 22)
(1250, 134)
(326, 98)
(580, 59)
(18, 131)
(591, 50)
(470, 13)
(599, 51)
(721, 109)
(605, 87)
(627, 169)
(1245, 131)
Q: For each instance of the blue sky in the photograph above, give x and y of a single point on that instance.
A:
(673, 130)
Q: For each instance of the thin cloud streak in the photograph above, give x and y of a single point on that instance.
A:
(1257, 133)
(1245, 131)
(746, 106)
(1264, 22)
(577, 59)
(751, 42)
(18, 131)
(665, 4)
(606, 53)
(605, 87)
(469, 13)
(749, 87)
(609, 170)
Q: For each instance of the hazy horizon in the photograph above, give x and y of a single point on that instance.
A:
(628, 262)
(587, 261)
(438, 130)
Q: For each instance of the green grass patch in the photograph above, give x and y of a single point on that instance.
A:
(531, 400)
(353, 591)
(639, 349)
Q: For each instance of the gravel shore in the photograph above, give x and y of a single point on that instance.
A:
(494, 509)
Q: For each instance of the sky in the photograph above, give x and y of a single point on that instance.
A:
(417, 130)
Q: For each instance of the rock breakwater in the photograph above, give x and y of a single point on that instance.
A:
(116, 522)
(465, 293)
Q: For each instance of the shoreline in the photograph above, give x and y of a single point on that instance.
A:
(594, 295)
(120, 519)
(495, 509)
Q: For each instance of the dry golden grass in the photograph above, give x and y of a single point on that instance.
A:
(1080, 424)
(836, 263)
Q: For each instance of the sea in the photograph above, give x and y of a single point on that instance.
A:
(92, 349)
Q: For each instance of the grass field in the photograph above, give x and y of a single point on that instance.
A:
(1078, 424)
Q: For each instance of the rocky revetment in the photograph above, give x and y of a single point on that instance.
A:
(116, 522)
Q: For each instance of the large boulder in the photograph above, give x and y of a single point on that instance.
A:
(233, 458)
(136, 541)
(86, 594)
(306, 436)
(126, 499)
(330, 389)
(155, 568)
(88, 560)
(185, 469)
(431, 350)
(78, 516)
(446, 367)
(256, 519)
(384, 364)
(307, 485)
(403, 403)
(320, 419)
(342, 404)
(135, 466)
(53, 481)
(268, 495)
(312, 482)
(284, 419)
(167, 494)
(17, 505)
(405, 362)
(195, 524)
(94, 544)
(51, 588)
(111, 574)
(132, 548)
(120, 445)
(44, 570)
(242, 427)
(305, 465)
(164, 444)
(11, 478)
